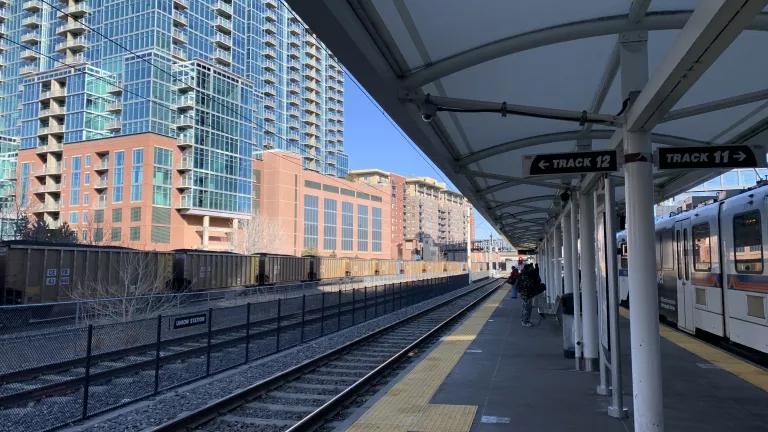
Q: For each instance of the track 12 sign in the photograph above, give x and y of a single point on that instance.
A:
(730, 156)
(570, 163)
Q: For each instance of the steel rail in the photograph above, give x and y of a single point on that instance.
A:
(228, 403)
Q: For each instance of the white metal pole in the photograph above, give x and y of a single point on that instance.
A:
(568, 343)
(577, 342)
(469, 244)
(557, 274)
(589, 336)
(643, 291)
(617, 396)
(602, 388)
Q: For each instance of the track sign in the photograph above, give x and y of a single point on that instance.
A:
(570, 163)
(731, 156)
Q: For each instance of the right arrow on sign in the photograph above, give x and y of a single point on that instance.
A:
(730, 156)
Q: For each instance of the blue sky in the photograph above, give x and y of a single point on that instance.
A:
(372, 141)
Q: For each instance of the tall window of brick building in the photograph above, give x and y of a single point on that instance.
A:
(376, 229)
(117, 179)
(161, 189)
(137, 172)
(362, 228)
(329, 224)
(347, 225)
(310, 221)
(74, 195)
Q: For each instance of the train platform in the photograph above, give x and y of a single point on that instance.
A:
(492, 374)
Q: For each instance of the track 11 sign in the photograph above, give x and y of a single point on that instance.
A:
(570, 163)
(731, 156)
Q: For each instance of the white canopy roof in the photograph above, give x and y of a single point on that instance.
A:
(553, 54)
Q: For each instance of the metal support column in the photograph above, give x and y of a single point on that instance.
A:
(643, 291)
(569, 350)
(576, 278)
(602, 388)
(557, 274)
(589, 337)
(616, 409)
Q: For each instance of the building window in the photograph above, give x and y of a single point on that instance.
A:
(74, 194)
(161, 189)
(24, 189)
(747, 242)
(98, 235)
(73, 217)
(137, 171)
(84, 235)
(135, 233)
(116, 234)
(117, 178)
(117, 215)
(98, 216)
(86, 179)
(86, 198)
(362, 228)
(376, 229)
(347, 225)
(310, 222)
(135, 214)
(329, 224)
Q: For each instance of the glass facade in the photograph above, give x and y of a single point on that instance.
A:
(310, 222)
(329, 224)
(227, 79)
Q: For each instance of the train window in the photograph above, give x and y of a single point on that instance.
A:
(667, 250)
(748, 242)
(702, 254)
(685, 254)
(679, 255)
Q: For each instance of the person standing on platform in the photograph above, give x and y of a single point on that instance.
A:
(528, 287)
(514, 275)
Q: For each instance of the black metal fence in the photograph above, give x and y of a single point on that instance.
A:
(102, 367)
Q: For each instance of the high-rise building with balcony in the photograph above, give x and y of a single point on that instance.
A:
(226, 79)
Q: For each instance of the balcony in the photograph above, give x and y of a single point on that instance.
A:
(270, 40)
(186, 164)
(186, 182)
(77, 10)
(270, 90)
(29, 69)
(223, 25)
(180, 4)
(293, 134)
(52, 207)
(185, 84)
(269, 65)
(3, 32)
(101, 166)
(269, 53)
(269, 115)
(50, 187)
(53, 129)
(30, 37)
(185, 122)
(101, 184)
(269, 103)
(223, 9)
(270, 28)
(185, 140)
(51, 169)
(116, 89)
(186, 200)
(270, 77)
(222, 56)
(270, 4)
(294, 100)
(76, 44)
(30, 55)
(179, 37)
(179, 53)
(31, 22)
(54, 110)
(114, 125)
(294, 41)
(100, 204)
(32, 5)
(72, 59)
(114, 107)
(179, 20)
(186, 101)
(223, 40)
(74, 28)
(50, 148)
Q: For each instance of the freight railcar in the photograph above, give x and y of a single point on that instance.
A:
(42, 273)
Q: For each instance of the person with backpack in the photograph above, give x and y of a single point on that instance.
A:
(528, 287)
(513, 275)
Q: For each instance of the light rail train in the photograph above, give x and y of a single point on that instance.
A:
(710, 268)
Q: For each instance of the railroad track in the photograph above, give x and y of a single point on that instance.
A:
(306, 396)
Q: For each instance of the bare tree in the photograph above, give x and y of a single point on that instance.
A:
(260, 234)
(136, 286)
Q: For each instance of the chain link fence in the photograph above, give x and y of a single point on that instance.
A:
(51, 379)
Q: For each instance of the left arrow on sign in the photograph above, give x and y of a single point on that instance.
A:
(543, 164)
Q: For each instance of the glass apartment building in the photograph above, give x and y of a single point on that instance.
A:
(225, 79)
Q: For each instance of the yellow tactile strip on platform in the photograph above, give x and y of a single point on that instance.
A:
(750, 373)
(406, 406)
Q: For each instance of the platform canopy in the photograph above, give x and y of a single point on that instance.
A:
(516, 56)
